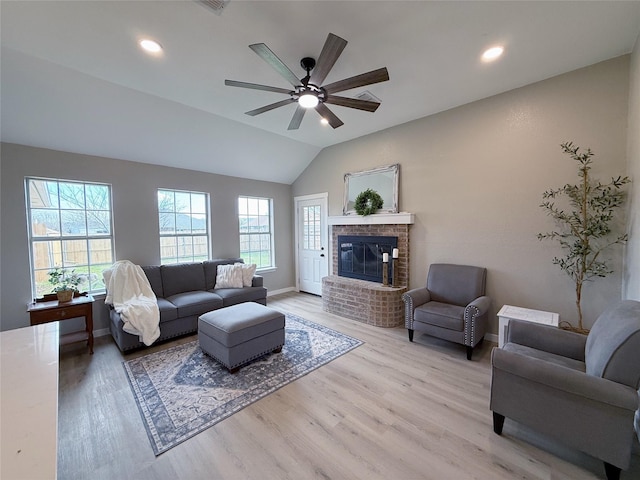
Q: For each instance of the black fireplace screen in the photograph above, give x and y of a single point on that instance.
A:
(361, 256)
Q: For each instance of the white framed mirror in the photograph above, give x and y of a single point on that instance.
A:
(383, 180)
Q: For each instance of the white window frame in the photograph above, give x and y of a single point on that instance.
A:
(178, 236)
(250, 258)
(60, 257)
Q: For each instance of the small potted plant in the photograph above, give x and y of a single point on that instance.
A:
(65, 283)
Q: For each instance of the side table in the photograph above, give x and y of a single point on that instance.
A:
(509, 312)
(53, 311)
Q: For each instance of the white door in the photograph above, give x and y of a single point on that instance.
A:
(312, 259)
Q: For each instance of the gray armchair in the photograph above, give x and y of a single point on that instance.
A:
(452, 306)
(582, 390)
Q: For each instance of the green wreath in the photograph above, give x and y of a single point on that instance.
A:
(368, 202)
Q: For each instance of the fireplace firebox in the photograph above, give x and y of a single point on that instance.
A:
(360, 256)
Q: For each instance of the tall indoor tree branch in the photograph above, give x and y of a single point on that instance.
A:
(585, 231)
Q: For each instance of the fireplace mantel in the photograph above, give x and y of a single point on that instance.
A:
(402, 218)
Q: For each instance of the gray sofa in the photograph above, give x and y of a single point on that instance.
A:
(184, 292)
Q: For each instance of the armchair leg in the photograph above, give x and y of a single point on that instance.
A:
(498, 423)
(410, 334)
(612, 472)
(469, 352)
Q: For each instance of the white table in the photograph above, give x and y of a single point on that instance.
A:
(29, 402)
(509, 312)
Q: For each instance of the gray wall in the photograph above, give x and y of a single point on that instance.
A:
(134, 187)
(474, 175)
(631, 280)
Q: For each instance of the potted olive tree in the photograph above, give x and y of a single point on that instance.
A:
(584, 231)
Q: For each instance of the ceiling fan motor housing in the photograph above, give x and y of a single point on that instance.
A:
(307, 63)
(309, 89)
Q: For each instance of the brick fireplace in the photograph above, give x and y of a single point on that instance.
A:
(364, 301)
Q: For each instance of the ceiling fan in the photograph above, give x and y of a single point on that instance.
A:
(309, 92)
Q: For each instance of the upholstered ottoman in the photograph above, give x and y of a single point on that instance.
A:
(240, 333)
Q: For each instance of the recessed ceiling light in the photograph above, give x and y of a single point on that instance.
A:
(150, 46)
(492, 53)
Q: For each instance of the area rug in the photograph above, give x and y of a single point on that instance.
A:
(181, 391)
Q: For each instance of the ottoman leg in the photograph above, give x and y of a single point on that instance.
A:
(233, 370)
(277, 350)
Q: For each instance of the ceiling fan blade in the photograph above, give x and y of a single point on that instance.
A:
(266, 108)
(353, 103)
(278, 65)
(375, 76)
(333, 47)
(297, 118)
(324, 112)
(255, 86)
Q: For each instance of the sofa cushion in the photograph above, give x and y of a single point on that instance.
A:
(195, 303)
(233, 296)
(613, 345)
(211, 269)
(155, 279)
(182, 277)
(441, 315)
(168, 311)
(456, 284)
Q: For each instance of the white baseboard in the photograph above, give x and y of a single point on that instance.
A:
(282, 290)
(492, 337)
(101, 332)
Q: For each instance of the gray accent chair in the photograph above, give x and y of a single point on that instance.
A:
(452, 306)
(581, 390)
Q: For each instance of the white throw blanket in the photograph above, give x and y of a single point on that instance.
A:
(129, 291)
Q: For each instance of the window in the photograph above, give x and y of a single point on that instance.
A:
(70, 226)
(311, 236)
(256, 231)
(184, 226)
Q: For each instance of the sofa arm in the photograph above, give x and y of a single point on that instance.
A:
(565, 379)
(547, 338)
(416, 297)
(412, 299)
(479, 306)
(258, 281)
(475, 320)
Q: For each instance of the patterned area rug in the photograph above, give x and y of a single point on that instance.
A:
(181, 391)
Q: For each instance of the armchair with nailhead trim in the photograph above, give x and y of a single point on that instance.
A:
(453, 305)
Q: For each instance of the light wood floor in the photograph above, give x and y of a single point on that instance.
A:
(389, 409)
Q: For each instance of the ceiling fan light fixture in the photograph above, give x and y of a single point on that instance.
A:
(308, 100)
(324, 121)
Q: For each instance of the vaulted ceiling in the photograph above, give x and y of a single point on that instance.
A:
(74, 78)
